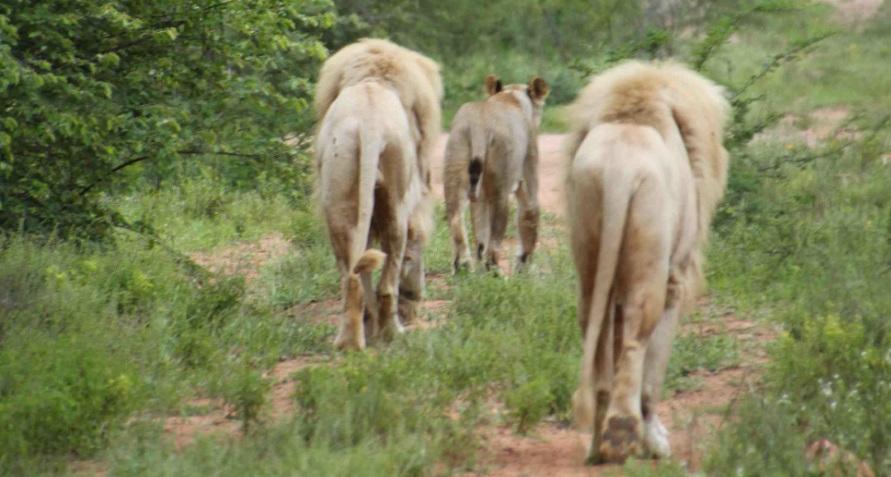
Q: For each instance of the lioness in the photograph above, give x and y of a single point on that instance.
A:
(647, 170)
(492, 152)
(378, 105)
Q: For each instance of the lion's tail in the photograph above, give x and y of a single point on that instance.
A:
(371, 145)
(478, 143)
(616, 199)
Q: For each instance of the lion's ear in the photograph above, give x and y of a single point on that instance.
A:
(493, 85)
(538, 89)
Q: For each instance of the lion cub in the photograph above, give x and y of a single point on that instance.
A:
(492, 152)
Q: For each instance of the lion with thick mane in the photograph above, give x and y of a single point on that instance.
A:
(492, 152)
(378, 106)
(647, 169)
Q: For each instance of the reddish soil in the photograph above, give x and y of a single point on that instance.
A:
(816, 128)
(855, 12)
(551, 174)
(244, 258)
(551, 449)
(91, 468)
(281, 402)
(211, 417)
(317, 312)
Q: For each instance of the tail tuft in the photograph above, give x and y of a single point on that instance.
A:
(369, 261)
(475, 171)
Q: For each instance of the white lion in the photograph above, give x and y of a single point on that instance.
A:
(378, 105)
(647, 171)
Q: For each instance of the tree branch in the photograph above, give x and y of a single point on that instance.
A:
(115, 169)
(139, 159)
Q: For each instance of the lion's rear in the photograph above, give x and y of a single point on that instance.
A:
(646, 149)
(674, 100)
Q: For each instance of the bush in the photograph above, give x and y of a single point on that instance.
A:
(93, 88)
(528, 403)
(90, 335)
(810, 234)
(245, 390)
(64, 394)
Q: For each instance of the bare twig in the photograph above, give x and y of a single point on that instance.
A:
(139, 159)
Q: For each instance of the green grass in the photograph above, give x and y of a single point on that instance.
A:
(93, 336)
(692, 353)
(203, 210)
(554, 120)
(818, 252)
(93, 340)
(517, 338)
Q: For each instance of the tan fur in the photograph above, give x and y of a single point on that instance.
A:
(647, 170)
(370, 261)
(378, 105)
(492, 152)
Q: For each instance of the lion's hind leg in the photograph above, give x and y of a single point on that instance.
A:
(528, 212)
(655, 366)
(393, 242)
(456, 185)
(351, 331)
(603, 381)
(456, 202)
(642, 277)
(499, 210)
(411, 283)
(479, 218)
(527, 223)
(347, 243)
(391, 223)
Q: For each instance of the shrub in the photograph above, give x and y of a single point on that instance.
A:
(61, 394)
(93, 88)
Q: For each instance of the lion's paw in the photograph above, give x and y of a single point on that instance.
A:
(656, 438)
(621, 439)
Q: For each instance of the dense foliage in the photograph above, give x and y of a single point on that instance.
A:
(93, 89)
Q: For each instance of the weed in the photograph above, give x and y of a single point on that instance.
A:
(245, 389)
